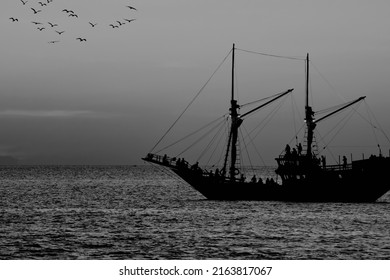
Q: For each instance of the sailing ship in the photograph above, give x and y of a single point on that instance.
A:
(303, 176)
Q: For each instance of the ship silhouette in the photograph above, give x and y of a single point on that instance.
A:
(303, 175)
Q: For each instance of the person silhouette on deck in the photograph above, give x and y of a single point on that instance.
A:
(287, 151)
(323, 161)
(299, 147)
(253, 180)
(344, 162)
(195, 166)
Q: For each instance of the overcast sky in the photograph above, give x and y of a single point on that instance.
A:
(108, 100)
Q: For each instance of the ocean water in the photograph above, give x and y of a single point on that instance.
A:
(140, 212)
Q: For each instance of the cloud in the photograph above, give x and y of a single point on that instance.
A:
(52, 113)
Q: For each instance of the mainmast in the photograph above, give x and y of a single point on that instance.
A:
(308, 114)
(236, 122)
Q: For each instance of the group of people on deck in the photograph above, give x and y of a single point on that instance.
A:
(182, 164)
(294, 153)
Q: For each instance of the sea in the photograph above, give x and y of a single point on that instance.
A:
(145, 213)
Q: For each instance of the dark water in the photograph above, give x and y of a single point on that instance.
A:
(142, 213)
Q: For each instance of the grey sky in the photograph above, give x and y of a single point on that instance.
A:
(108, 100)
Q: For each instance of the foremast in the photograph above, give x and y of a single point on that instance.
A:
(236, 121)
(235, 124)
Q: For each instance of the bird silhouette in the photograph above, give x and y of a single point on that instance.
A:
(132, 8)
(24, 2)
(73, 15)
(52, 24)
(129, 20)
(120, 23)
(92, 24)
(13, 19)
(40, 28)
(68, 11)
(60, 32)
(53, 42)
(114, 26)
(36, 23)
(42, 4)
(81, 39)
(36, 11)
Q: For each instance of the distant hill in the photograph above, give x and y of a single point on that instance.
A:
(8, 160)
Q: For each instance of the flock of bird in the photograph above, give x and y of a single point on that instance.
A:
(41, 26)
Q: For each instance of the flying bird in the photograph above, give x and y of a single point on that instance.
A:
(40, 28)
(68, 11)
(24, 2)
(129, 20)
(52, 24)
(36, 23)
(60, 32)
(81, 39)
(114, 26)
(73, 15)
(120, 23)
(13, 19)
(131, 8)
(92, 24)
(36, 11)
(53, 42)
(42, 4)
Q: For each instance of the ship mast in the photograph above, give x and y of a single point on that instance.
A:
(235, 123)
(308, 114)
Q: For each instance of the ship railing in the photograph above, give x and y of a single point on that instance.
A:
(183, 165)
(338, 167)
(166, 160)
(296, 163)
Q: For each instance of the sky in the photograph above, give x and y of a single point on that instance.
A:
(107, 100)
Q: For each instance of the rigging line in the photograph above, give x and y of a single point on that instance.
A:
(378, 124)
(336, 107)
(253, 144)
(354, 146)
(250, 113)
(293, 113)
(192, 133)
(326, 147)
(211, 142)
(192, 101)
(222, 155)
(340, 96)
(333, 108)
(217, 146)
(329, 84)
(199, 139)
(345, 119)
(294, 137)
(268, 118)
(221, 134)
(272, 55)
(262, 99)
(348, 115)
(372, 126)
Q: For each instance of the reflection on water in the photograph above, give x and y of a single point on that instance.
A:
(123, 212)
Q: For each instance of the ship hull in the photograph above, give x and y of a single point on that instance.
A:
(354, 185)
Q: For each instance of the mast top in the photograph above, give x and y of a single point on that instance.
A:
(233, 51)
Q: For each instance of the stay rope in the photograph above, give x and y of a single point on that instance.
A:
(192, 101)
